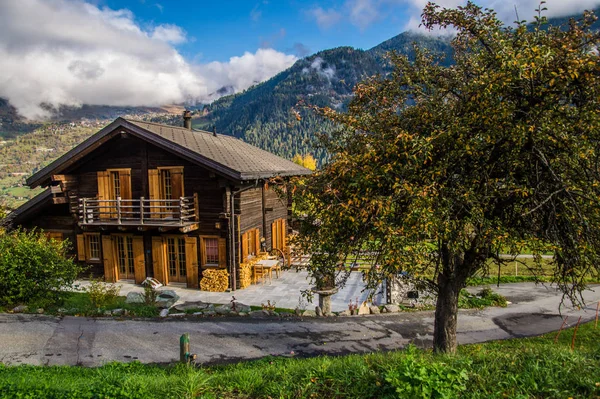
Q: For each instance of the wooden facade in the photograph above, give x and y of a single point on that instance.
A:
(134, 209)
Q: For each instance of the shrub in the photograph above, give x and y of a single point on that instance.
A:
(102, 294)
(415, 377)
(150, 294)
(32, 267)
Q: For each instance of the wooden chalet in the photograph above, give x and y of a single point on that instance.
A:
(140, 199)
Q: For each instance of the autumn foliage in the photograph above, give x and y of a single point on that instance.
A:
(437, 170)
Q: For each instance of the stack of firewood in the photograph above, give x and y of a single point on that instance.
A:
(214, 280)
(245, 275)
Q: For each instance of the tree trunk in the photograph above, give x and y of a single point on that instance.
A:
(446, 310)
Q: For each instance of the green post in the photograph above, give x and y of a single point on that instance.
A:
(184, 348)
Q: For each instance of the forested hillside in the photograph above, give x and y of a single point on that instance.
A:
(262, 115)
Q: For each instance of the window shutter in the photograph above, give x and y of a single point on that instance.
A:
(191, 261)
(154, 191)
(139, 264)
(274, 235)
(103, 194)
(125, 180)
(256, 241)
(111, 274)
(244, 246)
(283, 234)
(202, 252)
(158, 260)
(222, 253)
(177, 182)
(81, 247)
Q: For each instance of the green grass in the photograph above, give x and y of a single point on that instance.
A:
(78, 303)
(518, 368)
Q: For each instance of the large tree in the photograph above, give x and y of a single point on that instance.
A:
(438, 170)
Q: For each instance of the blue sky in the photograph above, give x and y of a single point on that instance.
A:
(218, 30)
(161, 52)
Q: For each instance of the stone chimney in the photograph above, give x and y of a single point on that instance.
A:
(187, 119)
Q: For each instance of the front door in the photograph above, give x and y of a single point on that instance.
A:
(124, 257)
(176, 262)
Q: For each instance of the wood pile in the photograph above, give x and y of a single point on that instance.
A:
(214, 280)
(245, 275)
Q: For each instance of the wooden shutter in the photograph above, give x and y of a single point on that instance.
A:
(222, 253)
(177, 182)
(244, 247)
(125, 181)
(256, 242)
(283, 234)
(139, 264)
(191, 261)
(158, 260)
(81, 247)
(154, 191)
(111, 274)
(104, 193)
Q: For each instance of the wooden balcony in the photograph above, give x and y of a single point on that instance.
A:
(143, 214)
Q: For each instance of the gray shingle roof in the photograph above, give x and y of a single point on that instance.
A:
(224, 154)
(249, 161)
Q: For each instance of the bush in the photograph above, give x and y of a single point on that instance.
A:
(415, 377)
(102, 294)
(32, 267)
(150, 294)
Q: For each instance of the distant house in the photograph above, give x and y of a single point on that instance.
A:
(140, 199)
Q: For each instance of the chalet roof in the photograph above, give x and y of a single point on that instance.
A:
(224, 154)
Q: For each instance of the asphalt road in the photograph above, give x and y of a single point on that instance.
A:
(44, 340)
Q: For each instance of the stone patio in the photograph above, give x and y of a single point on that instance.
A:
(284, 291)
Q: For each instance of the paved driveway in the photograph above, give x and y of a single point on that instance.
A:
(38, 339)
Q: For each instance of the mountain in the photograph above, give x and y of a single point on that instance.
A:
(262, 115)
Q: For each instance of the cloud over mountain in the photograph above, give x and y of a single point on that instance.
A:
(70, 52)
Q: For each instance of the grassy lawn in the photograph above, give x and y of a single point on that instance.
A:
(518, 368)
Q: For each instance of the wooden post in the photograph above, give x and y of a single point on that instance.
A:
(119, 210)
(181, 206)
(82, 200)
(560, 329)
(141, 210)
(575, 334)
(184, 348)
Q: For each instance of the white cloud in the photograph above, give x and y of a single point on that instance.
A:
(248, 69)
(69, 52)
(325, 18)
(169, 34)
(506, 9)
(363, 13)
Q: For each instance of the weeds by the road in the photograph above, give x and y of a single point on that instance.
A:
(519, 368)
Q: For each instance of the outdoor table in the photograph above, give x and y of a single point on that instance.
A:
(266, 266)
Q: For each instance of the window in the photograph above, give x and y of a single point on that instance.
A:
(250, 243)
(125, 260)
(211, 250)
(93, 246)
(88, 247)
(116, 184)
(176, 261)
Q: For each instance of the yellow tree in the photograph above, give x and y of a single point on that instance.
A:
(438, 170)
(308, 161)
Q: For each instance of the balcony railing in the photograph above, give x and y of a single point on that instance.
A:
(138, 212)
